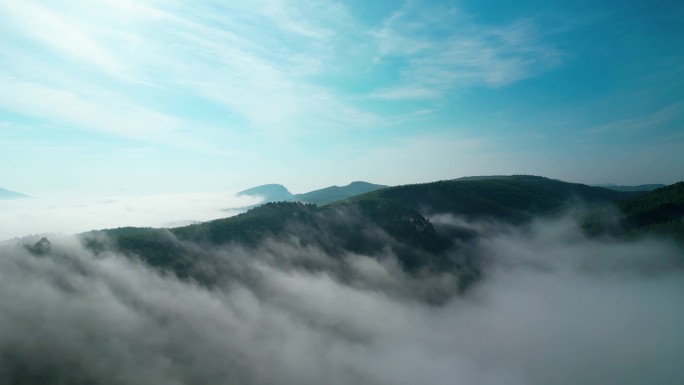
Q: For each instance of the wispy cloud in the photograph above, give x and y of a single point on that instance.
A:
(260, 61)
(650, 121)
(406, 93)
(206, 52)
(444, 49)
(94, 111)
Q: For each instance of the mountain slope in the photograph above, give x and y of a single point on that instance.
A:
(641, 187)
(335, 193)
(368, 228)
(659, 211)
(507, 198)
(379, 223)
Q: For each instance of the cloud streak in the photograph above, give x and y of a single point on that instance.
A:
(463, 55)
(261, 61)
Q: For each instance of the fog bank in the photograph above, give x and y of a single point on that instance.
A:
(69, 215)
(553, 307)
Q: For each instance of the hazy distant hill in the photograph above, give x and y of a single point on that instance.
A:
(641, 187)
(335, 193)
(279, 193)
(270, 193)
(7, 194)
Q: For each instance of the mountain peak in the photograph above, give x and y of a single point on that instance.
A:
(269, 192)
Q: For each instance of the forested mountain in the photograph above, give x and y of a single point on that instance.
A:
(370, 227)
(509, 198)
(391, 220)
(641, 187)
(659, 211)
(7, 194)
(335, 193)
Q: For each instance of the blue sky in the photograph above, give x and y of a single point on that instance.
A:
(109, 96)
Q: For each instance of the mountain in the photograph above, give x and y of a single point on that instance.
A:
(279, 193)
(335, 193)
(366, 228)
(504, 198)
(658, 211)
(269, 192)
(7, 194)
(392, 221)
(641, 187)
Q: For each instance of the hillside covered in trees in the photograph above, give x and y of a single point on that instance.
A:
(660, 211)
(395, 220)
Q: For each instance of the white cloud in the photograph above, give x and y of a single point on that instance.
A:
(259, 60)
(95, 110)
(442, 50)
(650, 121)
(252, 58)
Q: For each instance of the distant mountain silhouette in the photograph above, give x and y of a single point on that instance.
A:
(279, 193)
(7, 194)
(335, 193)
(269, 192)
(641, 187)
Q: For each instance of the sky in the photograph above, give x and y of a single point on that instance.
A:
(157, 96)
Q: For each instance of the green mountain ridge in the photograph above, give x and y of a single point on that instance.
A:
(509, 198)
(660, 211)
(279, 193)
(392, 219)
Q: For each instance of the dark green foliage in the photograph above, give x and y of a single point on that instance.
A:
(40, 248)
(367, 227)
(250, 228)
(513, 199)
(157, 247)
(660, 211)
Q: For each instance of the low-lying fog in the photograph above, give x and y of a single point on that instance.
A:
(69, 215)
(553, 308)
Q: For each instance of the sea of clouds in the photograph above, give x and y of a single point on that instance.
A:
(69, 215)
(552, 307)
